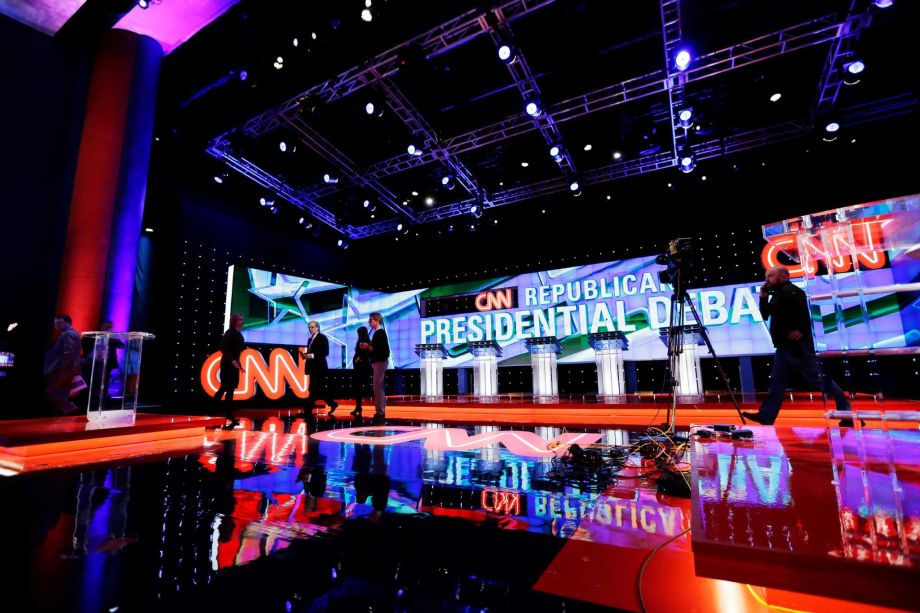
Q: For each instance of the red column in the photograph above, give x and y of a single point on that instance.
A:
(86, 247)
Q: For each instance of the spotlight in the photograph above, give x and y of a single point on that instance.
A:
(854, 67)
(476, 211)
(366, 15)
(402, 228)
(883, 4)
(687, 162)
(533, 108)
(399, 227)
(525, 164)
(852, 71)
(327, 178)
(367, 204)
(775, 97)
(555, 152)
(342, 243)
(300, 221)
(617, 155)
(243, 75)
(295, 42)
(414, 149)
(148, 230)
(448, 182)
(218, 179)
(368, 3)
(274, 210)
(369, 108)
(429, 201)
(685, 117)
(266, 201)
(506, 53)
(283, 146)
(588, 147)
(278, 65)
(831, 127)
(144, 4)
(574, 186)
(682, 59)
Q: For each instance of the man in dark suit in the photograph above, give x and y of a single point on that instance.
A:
(380, 355)
(62, 364)
(315, 355)
(790, 328)
(231, 351)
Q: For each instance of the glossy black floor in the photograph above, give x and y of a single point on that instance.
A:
(249, 526)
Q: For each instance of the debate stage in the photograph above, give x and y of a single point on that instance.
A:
(470, 500)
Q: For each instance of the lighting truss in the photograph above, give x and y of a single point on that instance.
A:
(469, 26)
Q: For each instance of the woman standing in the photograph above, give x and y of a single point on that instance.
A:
(362, 370)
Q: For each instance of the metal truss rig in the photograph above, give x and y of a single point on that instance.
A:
(468, 26)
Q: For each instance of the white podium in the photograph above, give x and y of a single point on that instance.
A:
(543, 352)
(116, 376)
(485, 369)
(608, 353)
(431, 364)
(689, 385)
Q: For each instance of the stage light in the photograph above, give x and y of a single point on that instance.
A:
(327, 178)
(266, 201)
(300, 221)
(282, 146)
(525, 164)
(588, 147)
(368, 3)
(883, 4)
(854, 67)
(366, 15)
(555, 152)
(574, 186)
(399, 227)
(278, 65)
(775, 97)
(832, 127)
(243, 75)
(414, 149)
(429, 201)
(402, 228)
(12, 326)
(852, 71)
(342, 243)
(448, 182)
(144, 4)
(313, 35)
(682, 59)
(533, 108)
(367, 203)
(218, 179)
(274, 210)
(687, 162)
(369, 108)
(148, 230)
(685, 117)
(617, 155)
(414, 193)
(506, 53)
(476, 211)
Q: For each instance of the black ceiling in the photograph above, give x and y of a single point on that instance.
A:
(571, 47)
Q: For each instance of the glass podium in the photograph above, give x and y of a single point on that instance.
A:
(115, 376)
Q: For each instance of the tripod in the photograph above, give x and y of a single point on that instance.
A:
(679, 300)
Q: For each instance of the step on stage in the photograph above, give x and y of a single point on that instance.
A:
(40, 444)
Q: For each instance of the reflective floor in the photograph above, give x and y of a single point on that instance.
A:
(427, 518)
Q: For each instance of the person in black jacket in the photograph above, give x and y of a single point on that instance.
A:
(231, 348)
(379, 348)
(790, 328)
(315, 355)
(363, 371)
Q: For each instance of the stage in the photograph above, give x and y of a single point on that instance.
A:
(337, 512)
(645, 410)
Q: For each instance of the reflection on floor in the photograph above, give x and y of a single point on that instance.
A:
(425, 518)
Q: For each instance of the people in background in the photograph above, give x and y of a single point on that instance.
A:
(363, 371)
(62, 364)
(379, 348)
(317, 368)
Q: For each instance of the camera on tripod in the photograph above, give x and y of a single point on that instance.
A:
(679, 261)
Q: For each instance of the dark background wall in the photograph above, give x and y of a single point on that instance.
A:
(44, 94)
